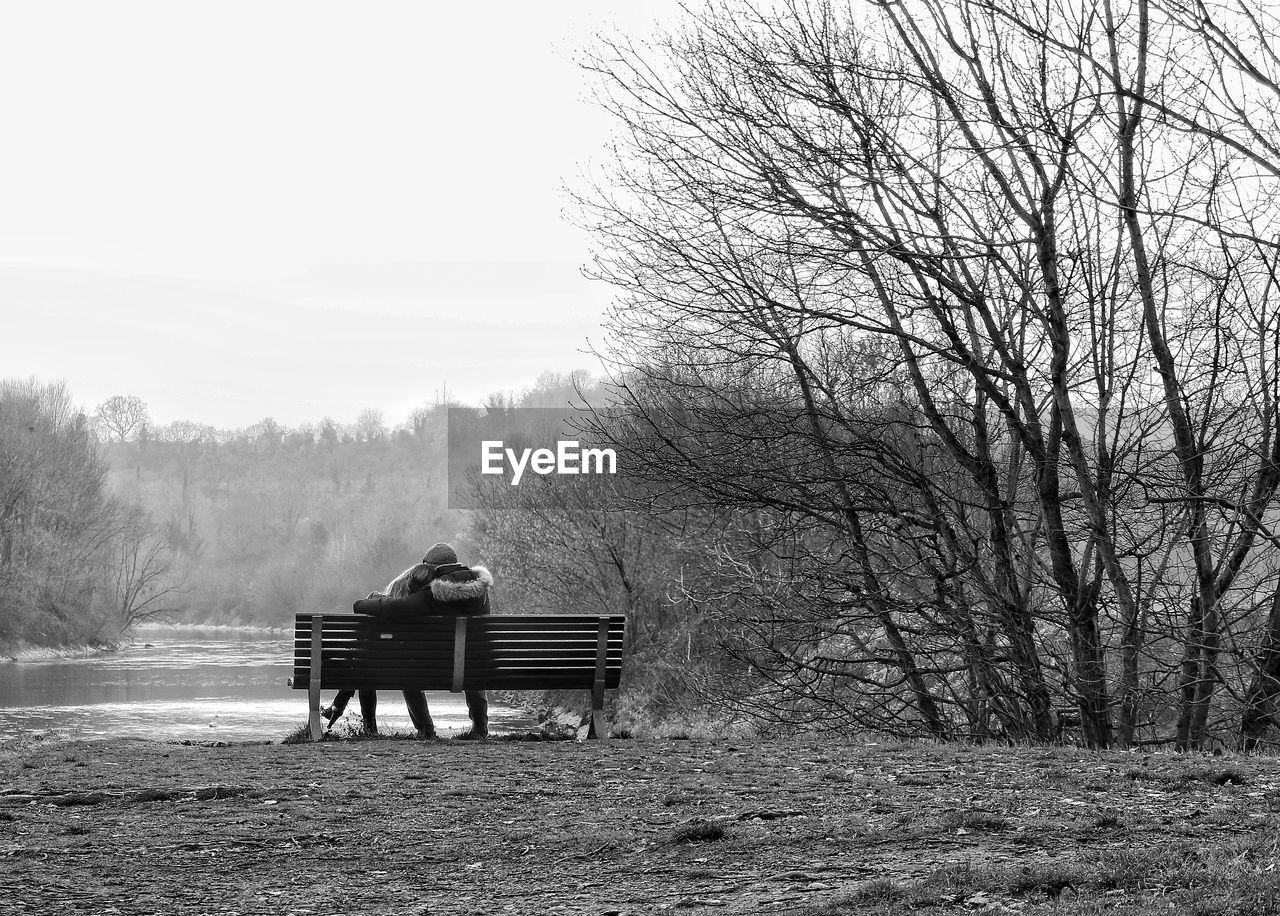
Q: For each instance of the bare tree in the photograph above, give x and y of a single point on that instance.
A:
(121, 416)
(186, 433)
(417, 420)
(266, 433)
(144, 580)
(370, 425)
(59, 524)
(328, 431)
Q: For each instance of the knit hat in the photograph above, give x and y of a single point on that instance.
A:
(440, 555)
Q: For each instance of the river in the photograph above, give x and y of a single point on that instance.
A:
(212, 684)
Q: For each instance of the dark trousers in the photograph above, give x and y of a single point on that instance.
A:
(477, 709)
(416, 701)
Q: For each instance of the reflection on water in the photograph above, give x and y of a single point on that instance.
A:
(215, 685)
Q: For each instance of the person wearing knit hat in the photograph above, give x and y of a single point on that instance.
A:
(438, 585)
(439, 554)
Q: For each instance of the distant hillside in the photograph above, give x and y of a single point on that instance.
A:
(263, 527)
(265, 522)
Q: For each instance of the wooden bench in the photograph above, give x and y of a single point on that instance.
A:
(491, 652)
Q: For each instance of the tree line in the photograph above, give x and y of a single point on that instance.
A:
(126, 418)
(77, 564)
(108, 519)
(267, 521)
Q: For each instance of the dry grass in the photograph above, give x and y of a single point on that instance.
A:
(392, 824)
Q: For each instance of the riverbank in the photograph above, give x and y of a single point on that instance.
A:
(138, 635)
(630, 826)
(22, 653)
(210, 627)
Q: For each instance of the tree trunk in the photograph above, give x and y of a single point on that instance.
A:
(1207, 683)
(1260, 700)
(1127, 693)
(1191, 654)
(1091, 673)
(924, 701)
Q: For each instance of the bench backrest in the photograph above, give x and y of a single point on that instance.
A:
(496, 652)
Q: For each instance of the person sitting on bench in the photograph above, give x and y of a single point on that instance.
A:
(437, 585)
(412, 580)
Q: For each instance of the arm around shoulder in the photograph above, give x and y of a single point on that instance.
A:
(414, 605)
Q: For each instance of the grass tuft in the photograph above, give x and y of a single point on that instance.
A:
(910, 780)
(1050, 880)
(697, 831)
(1227, 776)
(877, 890)
(1108, 820)
(300, 735)
(536, 735)
(973, 819)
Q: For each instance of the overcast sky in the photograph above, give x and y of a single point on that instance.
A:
(237, 210)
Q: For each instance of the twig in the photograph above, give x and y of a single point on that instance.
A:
(583, 855)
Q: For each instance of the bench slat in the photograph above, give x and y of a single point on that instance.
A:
(409, 666)
(485, 674)
(442, 633)
(443, 682)
(390, 648)
(388, 633)
(473, 652)
(495, 621)
(373, 663)
(385, 636)
(480, 674)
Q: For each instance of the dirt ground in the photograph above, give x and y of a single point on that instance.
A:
(624, 826)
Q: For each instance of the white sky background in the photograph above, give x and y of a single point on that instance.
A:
(288, 209)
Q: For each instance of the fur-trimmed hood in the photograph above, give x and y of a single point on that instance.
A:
(462, 585)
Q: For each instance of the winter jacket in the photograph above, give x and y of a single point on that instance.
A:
(454, 589)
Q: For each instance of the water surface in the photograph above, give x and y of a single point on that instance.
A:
(198, 684)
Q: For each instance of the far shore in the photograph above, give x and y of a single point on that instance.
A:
(11, 655)
(152, 627)
(25, 653)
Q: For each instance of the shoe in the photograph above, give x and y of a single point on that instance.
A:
(428, 736)
(472, 734)
(330, 714)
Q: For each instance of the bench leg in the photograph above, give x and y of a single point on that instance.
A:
(313, 691)
(597, 728)
(313, 718)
